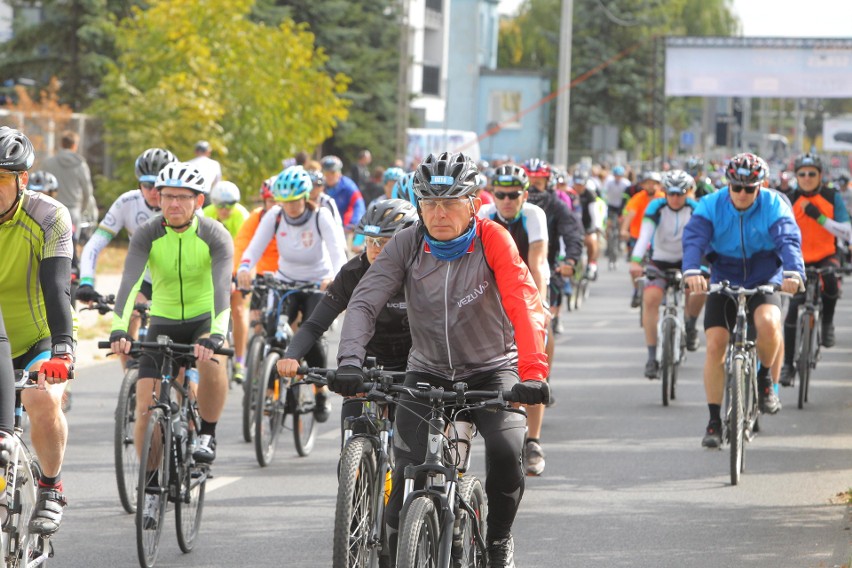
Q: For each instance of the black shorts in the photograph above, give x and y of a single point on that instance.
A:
(662, 266)
(179, 332)
(146, 290)
(35, 354)
(721, 311)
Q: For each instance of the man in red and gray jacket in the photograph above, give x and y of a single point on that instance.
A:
(475, 316)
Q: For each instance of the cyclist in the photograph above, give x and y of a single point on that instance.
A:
(190, 258)
(311, 248)
(43, 182)
(662, 227)
(750, 236)
(392, 341)
(35, 298)
(615, 191)
(480, 320)
(527, 223)
(695, 168)
(389, 178)
(404, 189)
(822, 218)
(318, 195)
(587, 198)
(343, 190)
(650, 188)
(129, 212)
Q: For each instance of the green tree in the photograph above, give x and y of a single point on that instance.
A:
(74, 41)
(622, 93)
(257, 92)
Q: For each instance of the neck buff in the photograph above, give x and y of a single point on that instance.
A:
(300, 220)
(454, 249)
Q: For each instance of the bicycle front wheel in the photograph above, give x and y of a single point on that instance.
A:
(152, 489)
(736, 424)
(419, 535)
(254, 359)
(304, 425)
(354, 515)
(191, 484)
(269, 415)
(667, 362)
(126, 459)
(804, 363)
(467, 552)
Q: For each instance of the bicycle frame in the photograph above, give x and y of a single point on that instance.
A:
(672, 310)
(811, 308)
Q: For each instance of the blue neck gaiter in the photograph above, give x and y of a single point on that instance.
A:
(451, 250)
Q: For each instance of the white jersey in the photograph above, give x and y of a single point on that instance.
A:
(210, 170)
(534, 223)
(614, 190)
(129, 212)
(312, 251)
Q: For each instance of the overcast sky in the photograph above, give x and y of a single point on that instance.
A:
(775, 18)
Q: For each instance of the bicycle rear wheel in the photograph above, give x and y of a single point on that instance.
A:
(189, 505)
(304, 425)
(153, 483)
(419, 535)
(254, 359)
(126, 459)
(804, 362)
(354, 515)
(667, 363)
(736, 425)
(466, 552)
(269, 415)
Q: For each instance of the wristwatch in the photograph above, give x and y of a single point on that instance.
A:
(62, 350)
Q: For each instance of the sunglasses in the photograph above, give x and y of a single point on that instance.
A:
(676, 193)
(747, 188)
(807, 174)
(513, 195)
(225, 205)
(146, 185)
(377, 242)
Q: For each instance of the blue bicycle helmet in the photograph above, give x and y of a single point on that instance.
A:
(404, 188)
(292, 184)
(392, 174)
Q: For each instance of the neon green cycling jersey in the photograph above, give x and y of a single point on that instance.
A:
(238, 216)
(39, 231)
(190, 273)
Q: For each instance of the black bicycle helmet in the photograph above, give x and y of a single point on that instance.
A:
(510, 175)
(808, 159)
(16, 150)
(386, 218)
(447, 175)
(151, 161)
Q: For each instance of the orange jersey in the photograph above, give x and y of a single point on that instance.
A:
(269, 261)
(817, 242)
(637, 205)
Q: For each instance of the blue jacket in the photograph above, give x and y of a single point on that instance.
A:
(748, 248)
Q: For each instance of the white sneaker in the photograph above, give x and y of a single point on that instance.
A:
(151, 513)
(205, 451)
(533, 458)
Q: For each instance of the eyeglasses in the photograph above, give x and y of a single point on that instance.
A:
(146, 185)
(8, 175)
(513, 195)
(181, 198)
(449, 205)
(676, 194)
(377, 242)
(736, 188)
(225, 205)
(807, 174)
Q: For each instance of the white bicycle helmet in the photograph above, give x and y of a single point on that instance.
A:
(225, 192)
(181, 175)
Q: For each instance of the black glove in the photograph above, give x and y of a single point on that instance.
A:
(812, 211)
(213, 342)
(86, 293)
(532, 392)
(118, 335)
(347, 380)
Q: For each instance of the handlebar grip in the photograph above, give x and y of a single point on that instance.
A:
(226, 351)
(104, 345)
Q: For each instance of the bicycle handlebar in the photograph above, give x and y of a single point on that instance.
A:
(725, 287)
(29, 379)
(181, 348)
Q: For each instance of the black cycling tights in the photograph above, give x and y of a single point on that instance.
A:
(306, 302)
(7, 382)
(504, 439)
(830, 293)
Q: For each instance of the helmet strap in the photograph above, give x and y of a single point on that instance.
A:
(14, 203)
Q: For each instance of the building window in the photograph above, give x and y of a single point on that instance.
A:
(504, 107)
(431, 80)
(436, 5)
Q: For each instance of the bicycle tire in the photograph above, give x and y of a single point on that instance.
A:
(419, 535)
(254, 359)
(466, 553)
(737, 420)
(189, 503)
(667, 363)
(354, 514)
(804, 361)
(21, 502)
(304, 424)
(158, 432)
(126, 459)
(269, 416)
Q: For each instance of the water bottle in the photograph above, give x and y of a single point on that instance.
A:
(192, 375)
(4, 499)
(283, 327)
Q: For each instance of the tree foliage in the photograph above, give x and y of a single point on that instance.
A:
(622, 93)
(258, 93)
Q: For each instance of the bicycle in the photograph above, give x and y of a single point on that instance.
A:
(364, 473)
(741, 413)
(170, 437)
(275, 397)
(580, 284)
(255, 352)
(613, 241)
(671, 330)
(809, 328)
(19, 493)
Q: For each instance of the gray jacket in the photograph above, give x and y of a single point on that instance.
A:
(75, 183)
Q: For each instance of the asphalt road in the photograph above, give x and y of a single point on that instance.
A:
(626, 483)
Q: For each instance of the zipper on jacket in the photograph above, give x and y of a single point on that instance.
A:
(742, 247)
(447, 317)
(180, 278)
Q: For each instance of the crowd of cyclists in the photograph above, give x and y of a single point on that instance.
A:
(455, 272)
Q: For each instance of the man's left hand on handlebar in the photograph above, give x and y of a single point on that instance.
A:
(532, 392)
(205, 347)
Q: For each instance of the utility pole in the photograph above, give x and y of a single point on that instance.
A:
(403, 92)
(563, 101)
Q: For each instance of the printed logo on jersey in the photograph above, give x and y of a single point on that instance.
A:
(142, 218)
(397, 305)
(307, 239)
(109, 220)
(476, 293)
